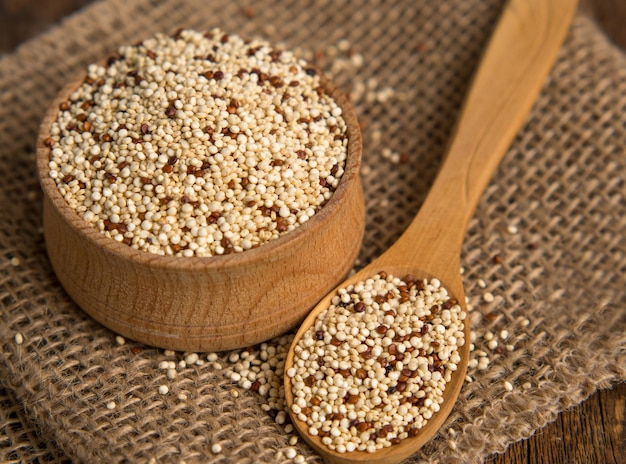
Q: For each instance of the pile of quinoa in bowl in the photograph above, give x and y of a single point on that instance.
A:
(198, 144)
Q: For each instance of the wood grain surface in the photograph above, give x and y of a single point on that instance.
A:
(590, 433)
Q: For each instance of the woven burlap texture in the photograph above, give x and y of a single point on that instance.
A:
(558, 282)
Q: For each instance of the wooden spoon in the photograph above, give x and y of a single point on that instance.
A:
(513, 70)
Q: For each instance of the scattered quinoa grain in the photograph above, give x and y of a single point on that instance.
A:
(14, 261)
(163, 389)
(488, 297)
(512, 229)
(483, 363)
(508, 386)
(216, 448)
(111, 405)
(290, 453)
(191, 358)
(19, 338)
(120, 340)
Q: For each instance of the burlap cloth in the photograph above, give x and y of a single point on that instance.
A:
(561, 185)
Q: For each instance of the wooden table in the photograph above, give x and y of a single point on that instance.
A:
(591, 433)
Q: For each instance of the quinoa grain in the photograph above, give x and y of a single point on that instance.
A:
(163, 389)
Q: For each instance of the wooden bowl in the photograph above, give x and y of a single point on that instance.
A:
(205, 303)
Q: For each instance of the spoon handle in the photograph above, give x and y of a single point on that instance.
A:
(511, 73)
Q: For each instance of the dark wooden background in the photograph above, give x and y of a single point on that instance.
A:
(591, 433)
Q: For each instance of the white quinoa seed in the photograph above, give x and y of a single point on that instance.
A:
(163, 389)
(120, 340)
(382, 341)
(111, 405)
(488, 297)
(216, 448)
(512, 229)
(19, 338)
(191, 358)
(198, 144)
(508, 386)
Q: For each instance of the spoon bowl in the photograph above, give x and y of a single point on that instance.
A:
(512, 71)
(406, 447)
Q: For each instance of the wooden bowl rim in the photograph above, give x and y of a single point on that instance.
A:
(272, 249)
